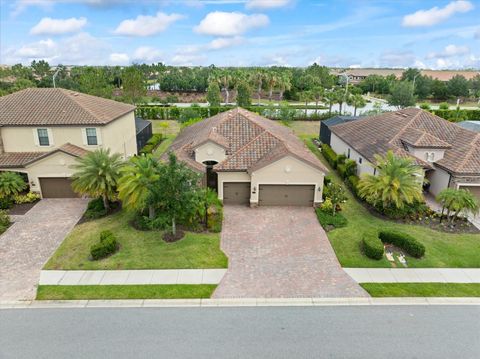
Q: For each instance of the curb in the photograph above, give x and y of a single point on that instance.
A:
(237, 302)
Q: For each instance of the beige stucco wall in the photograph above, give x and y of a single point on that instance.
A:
(439, 179)
(230, 177)
(421, 153)
(119, 136)
(288, 170)
(340, 147)
(210, 151)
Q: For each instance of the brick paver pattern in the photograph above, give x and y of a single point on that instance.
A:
(29, 243)
(280, 252)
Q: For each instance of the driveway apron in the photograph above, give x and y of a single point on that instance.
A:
(280, 252)
(30, 241)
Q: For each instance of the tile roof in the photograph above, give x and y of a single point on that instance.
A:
(22, 159)
(251, 142)
(419, 128)
(58, 107)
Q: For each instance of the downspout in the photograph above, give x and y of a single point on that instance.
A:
(2, 150)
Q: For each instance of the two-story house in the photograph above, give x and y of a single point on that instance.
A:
(44, 130)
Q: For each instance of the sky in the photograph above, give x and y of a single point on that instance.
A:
(342, 33)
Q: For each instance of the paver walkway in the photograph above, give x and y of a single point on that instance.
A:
(144, 276)
(280, 252)
(415, 275)
(30, 241)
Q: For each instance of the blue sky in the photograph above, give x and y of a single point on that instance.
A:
(344, 33)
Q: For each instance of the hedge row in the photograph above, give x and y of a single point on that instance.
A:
(329, 155)
(404, 241)
(107, 246)
(152, 143)
(328, 219)
(372, 246)
(458, 115)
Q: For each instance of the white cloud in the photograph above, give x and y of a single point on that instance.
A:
(477, 34)
(219, 23)
(224, 42)
(147, 25)
(147, 54)
(187, 60)
(449, 51)
(266, 4)
(436, 15)
(119, 58)
(396, 59)
(49, 26)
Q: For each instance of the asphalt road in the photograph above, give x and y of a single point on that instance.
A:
(266, 332)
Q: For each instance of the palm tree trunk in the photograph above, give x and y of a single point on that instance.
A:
(306, 104)
(106, 205)
(441, 215)
(259, 91)
(340, 107)
(227, 95)
(355, 111)
(330, 109)
(316, 107)
(151, 212)
(174, 226)
(270, 94)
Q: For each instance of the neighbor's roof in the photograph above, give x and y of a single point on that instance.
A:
(335, 120)
(251, 142)
(141, 124)
(58, 107)
(22, 159)
(418, 128)
(470, 125)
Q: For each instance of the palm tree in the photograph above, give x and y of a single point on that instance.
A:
(272, 79)
(306, 96)
(11, 184)
(398, 182)
(457, 200)
(317, 93)
(224, 79)
(446, 197)
(135, 185)
(284, 84)
(330, 99)
(340, 97)
(357, 101)
(97, 175)
(256, 79)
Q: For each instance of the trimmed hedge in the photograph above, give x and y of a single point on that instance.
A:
(327, 219)
(403, 241)
(353, 182)
(329, 155)
(152, 143)
(372, 246)
(95, 209)
(107, 246)
(458, 115)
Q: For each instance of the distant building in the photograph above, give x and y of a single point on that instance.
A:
(326, 133)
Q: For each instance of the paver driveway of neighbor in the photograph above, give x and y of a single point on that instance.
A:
(29, 243)
(280, 252)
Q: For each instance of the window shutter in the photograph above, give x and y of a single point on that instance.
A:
(50, 137)
(84, 136)
(35, 137)
(99, 136)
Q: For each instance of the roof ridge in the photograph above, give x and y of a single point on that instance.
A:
(404, 128)
(466, 158)
(65, 93)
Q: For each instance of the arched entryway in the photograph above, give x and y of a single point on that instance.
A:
(212, 177)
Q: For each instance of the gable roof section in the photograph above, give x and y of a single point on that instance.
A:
(390, 131)
(251, 142)
(58, 107)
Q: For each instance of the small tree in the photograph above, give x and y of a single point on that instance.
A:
(244, 94)
(11, 184)
(214, 96)
(457, 201)
(402, 95)
(97, 175)
(133, 81)
(337, 195)
(357, 101)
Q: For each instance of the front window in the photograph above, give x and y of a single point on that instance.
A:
(43, 137)
(91, 136)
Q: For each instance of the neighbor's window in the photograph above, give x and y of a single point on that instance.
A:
(43, 137)
(360, 160)
(91, 136)
(348, 153)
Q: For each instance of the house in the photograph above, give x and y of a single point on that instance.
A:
(43, 131)
(144, 132)
(325, 132)
(251, 160)
(448, 153)
(470, 125)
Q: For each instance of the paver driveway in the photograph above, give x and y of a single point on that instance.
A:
(280, 252)
(29, 242)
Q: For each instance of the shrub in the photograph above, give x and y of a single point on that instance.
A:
(350, 168)
(95, 209)
(425, 106)
(342, 170)
(408, 211)
(27, 198)
(152, 143)
(444, 106)
(341, 158)
(107, 246)
(4, 219)
(372, 245)
(327, 205)
(329, 155)
(353, 182)
(327, 219)
(327, 179)
(403, 241)
(6, 203)
(215, 218)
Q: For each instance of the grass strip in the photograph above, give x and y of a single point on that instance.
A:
(422, 289)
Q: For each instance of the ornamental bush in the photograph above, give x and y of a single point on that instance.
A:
(27, 198)
(4, 220)
(353, 182)
(403, 241)
(106, 247)
(95, 209)
(329, 155)
(152, 143)
(372, 245)
(327, 219)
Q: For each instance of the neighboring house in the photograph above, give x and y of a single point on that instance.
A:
(144, 132)
(43, 131)
(449, 154)
(470, 125)
(325, 132)
(249, 159)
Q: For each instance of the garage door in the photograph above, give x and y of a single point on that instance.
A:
(236, 192)
(57, 188)
(286, 195)
(474, 189)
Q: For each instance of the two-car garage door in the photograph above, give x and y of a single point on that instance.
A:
(269, 195)
(57, 187)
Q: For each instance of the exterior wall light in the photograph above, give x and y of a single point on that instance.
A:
(254, 189)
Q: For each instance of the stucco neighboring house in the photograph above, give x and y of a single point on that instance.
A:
(43, 131)
(448, 153)
(251, 160)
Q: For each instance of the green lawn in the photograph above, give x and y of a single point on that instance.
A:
(160, 150)
(442, 249)
(422, 289)
(172, 128)
(138, 249)
(161, 291)
(305, 128)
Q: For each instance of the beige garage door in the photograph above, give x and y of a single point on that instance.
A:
(57, 188)
(236, 192)
(474, 189)
(286, 195)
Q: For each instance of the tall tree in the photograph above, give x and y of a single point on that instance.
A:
(272, 80)
(133, 82)
(40, 68)
(317, 93)
(402, 95)
(243, 94)
(357, 101)
(457, 86)
(214, 97)
(97, 175)
(94, 81)
(306, 96)
(257, 79)
(284, 84)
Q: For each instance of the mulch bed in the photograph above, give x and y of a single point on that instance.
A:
(114, 208)
(21, 209)
(170, 238)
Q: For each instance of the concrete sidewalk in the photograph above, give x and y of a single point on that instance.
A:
(118, 277)
(414, 275)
